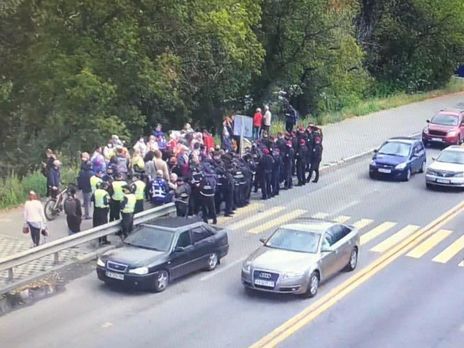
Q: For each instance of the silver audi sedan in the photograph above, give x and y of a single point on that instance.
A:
(296, 258)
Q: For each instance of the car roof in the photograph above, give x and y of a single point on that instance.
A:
(174, 224)
(451, 111)
(318, 227)
(454, 148)
(407, 140)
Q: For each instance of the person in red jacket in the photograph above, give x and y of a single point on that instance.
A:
(257, 123)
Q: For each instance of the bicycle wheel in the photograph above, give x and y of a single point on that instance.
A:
(50, 211)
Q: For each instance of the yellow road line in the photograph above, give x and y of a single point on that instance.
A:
(377, 231)
(395, 239)
(256, 217)
(450, 252)
(341, 219)
(292, 325)
(362, 223)
(428, 244)
(320, 215)
(277, 221)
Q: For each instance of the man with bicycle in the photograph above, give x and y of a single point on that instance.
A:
(54, 178)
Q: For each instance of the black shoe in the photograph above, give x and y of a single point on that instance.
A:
(228, 215)
(315, 180)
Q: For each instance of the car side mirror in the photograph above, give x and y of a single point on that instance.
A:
(434, 158)
(375, 151)
(262, 240)
(179, 249)
(428, 121)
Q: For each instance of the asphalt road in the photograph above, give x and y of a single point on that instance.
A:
(414, 302)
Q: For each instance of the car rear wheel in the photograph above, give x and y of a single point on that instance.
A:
(353, 262)
(161, 281)
(313, 285)
(422, 168)
(213, 261)
(407, 175)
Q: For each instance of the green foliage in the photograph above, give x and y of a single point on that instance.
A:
(74, 72)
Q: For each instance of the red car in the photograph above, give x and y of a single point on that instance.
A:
(446, 127)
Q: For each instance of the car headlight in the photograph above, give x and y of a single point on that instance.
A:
(100, 262)
(426, 130)
(452, 133)
(459, 175)
(288, 275)
(401, 165)
(246, 267)
(140, 270)
(373, 163)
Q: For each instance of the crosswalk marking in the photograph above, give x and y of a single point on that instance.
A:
(461, 264)
(450, 252)
(396, 238)
(428, 244)
(320, 216)
(256, 217)
(377, 231)
(362, 223)
(341, 219)
(277, 221)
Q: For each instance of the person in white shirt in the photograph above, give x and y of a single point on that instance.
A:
(267, 120)
(34, 217)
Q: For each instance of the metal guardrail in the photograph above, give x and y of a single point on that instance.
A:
(10, 262)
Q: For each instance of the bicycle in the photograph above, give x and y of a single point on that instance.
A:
(54, 204)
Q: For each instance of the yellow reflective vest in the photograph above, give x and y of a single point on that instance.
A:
(99, 196)
(118, 194)
(130, 204)
(139, 190)
(94, 180)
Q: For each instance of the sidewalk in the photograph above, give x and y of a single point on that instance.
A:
(341, 140)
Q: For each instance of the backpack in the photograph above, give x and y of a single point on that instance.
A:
(70, 206)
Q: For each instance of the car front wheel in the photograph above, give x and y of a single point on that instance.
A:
(422, 168)
(161, 281)
(313, 285)
(407, 174)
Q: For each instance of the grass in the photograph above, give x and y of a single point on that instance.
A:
(14, 190)
(376, 104)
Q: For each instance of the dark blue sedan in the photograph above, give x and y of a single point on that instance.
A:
(398, 158)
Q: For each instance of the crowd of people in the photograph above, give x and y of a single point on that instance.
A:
(189, 169)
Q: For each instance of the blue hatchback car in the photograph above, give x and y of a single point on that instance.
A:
(398, 158)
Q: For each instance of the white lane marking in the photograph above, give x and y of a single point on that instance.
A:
(222, 269)
(342, 219)
(394, 239)
(106, 325)
(377, 231)
(450, 251)
(362, 223)
(277, 221)
(255, 218)
(320, 216)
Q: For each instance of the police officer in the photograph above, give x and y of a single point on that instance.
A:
(207, 190)
(94, 180)
(195, 197)
(117, 195)
(181, 197)
(221, 179)
(266, 163)
(316, 159)
(127, 211)
(288, 164)
(101, 201)
(301, 156)
(139, 191)
(276, 171)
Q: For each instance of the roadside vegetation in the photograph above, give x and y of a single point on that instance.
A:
(75, 72)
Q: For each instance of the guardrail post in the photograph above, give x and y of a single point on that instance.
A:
(56, 258)
(10, 274)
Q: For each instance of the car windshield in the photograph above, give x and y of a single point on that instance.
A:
(293, 240)
(151, 238)
(456, 157)
(395, 149)
(445, 120)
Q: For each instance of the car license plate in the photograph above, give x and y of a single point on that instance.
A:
(383, 170)
(443, 181)
(267, 283)
(115, 275)
(437, 139)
